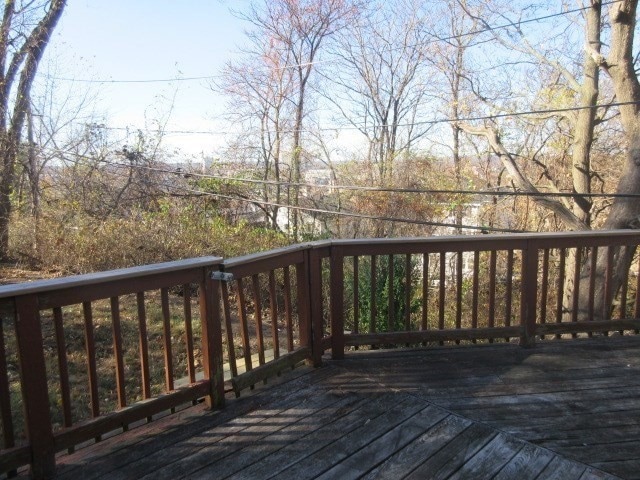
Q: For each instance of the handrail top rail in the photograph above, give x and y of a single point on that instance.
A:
(276, 252)
(595, 234)
(39, 286)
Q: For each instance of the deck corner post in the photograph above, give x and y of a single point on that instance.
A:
(337, 303)
(314, 292)
(35, 392)
(212, 352)
(529, 294)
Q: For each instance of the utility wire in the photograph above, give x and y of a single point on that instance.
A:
(305, 64)
(411, 124)
(311, 209)
(342, 213)
(493, 193)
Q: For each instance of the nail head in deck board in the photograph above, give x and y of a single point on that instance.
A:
(378, 450)
(561, 469)
(625, 469)
(238, 434)
(121, 451)
(171, 448)
(454, 454)
(490, 459)
(369, 407)
(527, 463)
(399, 408)
(275, 440)
(420, 449)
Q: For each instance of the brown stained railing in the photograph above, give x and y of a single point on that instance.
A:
(267, 302)
(137, 331)
(84, 318)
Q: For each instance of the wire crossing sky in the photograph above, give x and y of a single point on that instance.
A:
(154, 61)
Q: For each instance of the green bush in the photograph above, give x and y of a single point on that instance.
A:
(382, 290)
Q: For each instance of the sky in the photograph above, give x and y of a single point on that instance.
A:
(142, 40)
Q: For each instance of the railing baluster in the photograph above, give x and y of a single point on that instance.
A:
(592, 283)
(624, 286)
(508, 291)
(458, 291)
(373, 290)
(636, 309)
(356, 295)
(608, 284)
(425, 292)
(407, 293)
(391, 310)
(441, 296)
(475, 289)
(560, 287)
(288, 311)
(188, 332)
(492, 290)
(8, 437)
(576, 287)
(244, 327)
(117, 352)
(166, 332)
(257, 313)
(544, 287)
(273, 307)
(90, 347)
(231, 350)
(337, 304)
(143, 345)
(63, 369)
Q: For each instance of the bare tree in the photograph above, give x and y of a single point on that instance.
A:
(585, 87)
(299, 29)
(259, 89)
(382, 80)
(620, 65)
(21, 48)
(450, 61)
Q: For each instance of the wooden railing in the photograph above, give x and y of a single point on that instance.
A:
(88, 356)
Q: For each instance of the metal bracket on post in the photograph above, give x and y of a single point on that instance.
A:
(222, 276)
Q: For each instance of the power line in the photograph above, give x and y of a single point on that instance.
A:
(305, 64)
(312, 209)
(493, 193)
(343, 213)
(151, 80)
(411, 124)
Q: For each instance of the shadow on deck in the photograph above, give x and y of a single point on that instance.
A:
(566, 410)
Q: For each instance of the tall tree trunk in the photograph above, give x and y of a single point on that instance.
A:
(625, 211)
(25, 63)
(581, 146)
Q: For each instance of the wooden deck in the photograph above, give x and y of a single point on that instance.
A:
(564, 409)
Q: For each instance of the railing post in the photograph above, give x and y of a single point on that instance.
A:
(304, 303)
(337, 303)
(35, 393)
(212, 353)
(315, 300)
(529, 294)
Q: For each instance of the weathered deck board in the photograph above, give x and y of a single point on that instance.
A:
(565, 410)
(579, 399)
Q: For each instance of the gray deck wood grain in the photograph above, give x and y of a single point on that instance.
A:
(565, 410)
